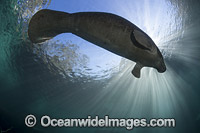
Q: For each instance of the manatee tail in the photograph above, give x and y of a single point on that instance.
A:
(46, 24)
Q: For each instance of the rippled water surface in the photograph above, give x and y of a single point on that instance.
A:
(68, 77)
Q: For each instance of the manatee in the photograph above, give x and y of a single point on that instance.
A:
(105, 30)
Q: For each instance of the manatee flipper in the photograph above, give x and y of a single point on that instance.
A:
(141, 40)
(136, 70)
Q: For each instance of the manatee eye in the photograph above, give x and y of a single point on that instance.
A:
(141, 40)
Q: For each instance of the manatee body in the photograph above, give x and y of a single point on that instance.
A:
(106, 30)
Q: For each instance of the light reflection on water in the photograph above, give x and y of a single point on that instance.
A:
(78, 61)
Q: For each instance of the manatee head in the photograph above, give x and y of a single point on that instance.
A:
(159, 63)
(149, 54)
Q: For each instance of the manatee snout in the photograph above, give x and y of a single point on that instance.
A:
(161, 68)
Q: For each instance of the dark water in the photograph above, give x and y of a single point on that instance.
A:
(68, 79)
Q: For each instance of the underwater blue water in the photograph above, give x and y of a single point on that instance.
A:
(68, 77)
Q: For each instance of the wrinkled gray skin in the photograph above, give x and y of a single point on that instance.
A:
(106, 30)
